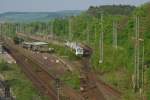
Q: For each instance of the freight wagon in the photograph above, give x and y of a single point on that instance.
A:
(37, 46)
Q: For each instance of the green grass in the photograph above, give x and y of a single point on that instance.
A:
(147, 83)
(72, 79)
(122, 81)
(22, 88)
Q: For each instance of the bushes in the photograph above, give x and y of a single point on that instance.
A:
(72, 79)
(4, 66)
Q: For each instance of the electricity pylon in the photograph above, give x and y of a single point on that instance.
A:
(101, 40)
(115, 40)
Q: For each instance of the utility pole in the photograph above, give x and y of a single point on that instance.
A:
(142, 71)
(101, 40)
(58, 87)
(23, 28)
(136, 56)
(16, 28)
(0, 30)
(20, 30)
(46, 28)
(47, 31)
(70, 30)
(87, 32)
(138, 59)
(95, 30)
(115, 40)
(9, 29)
(52, 23)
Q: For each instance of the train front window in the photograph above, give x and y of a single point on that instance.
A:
(79, 51)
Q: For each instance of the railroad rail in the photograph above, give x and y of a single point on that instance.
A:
(90, 79)
(39, 76)
(93, 88)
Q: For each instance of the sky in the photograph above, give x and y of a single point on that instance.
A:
(58, 5)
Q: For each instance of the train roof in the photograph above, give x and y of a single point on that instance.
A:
(40, 43)
(36, 43)
(85, 46)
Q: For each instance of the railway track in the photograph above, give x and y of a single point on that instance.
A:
(106, 90)
(93, 88)
(39, 76)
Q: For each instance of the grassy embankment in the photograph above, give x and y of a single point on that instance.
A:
(21, 86)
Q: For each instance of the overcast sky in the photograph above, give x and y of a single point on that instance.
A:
(57, 5)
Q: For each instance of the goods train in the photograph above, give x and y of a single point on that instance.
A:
(34, 46)
(37, 46)
(78, 49)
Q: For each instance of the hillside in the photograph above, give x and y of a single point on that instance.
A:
(35, 16)
(111, 9)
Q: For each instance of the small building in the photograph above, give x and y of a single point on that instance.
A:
(40, 46)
